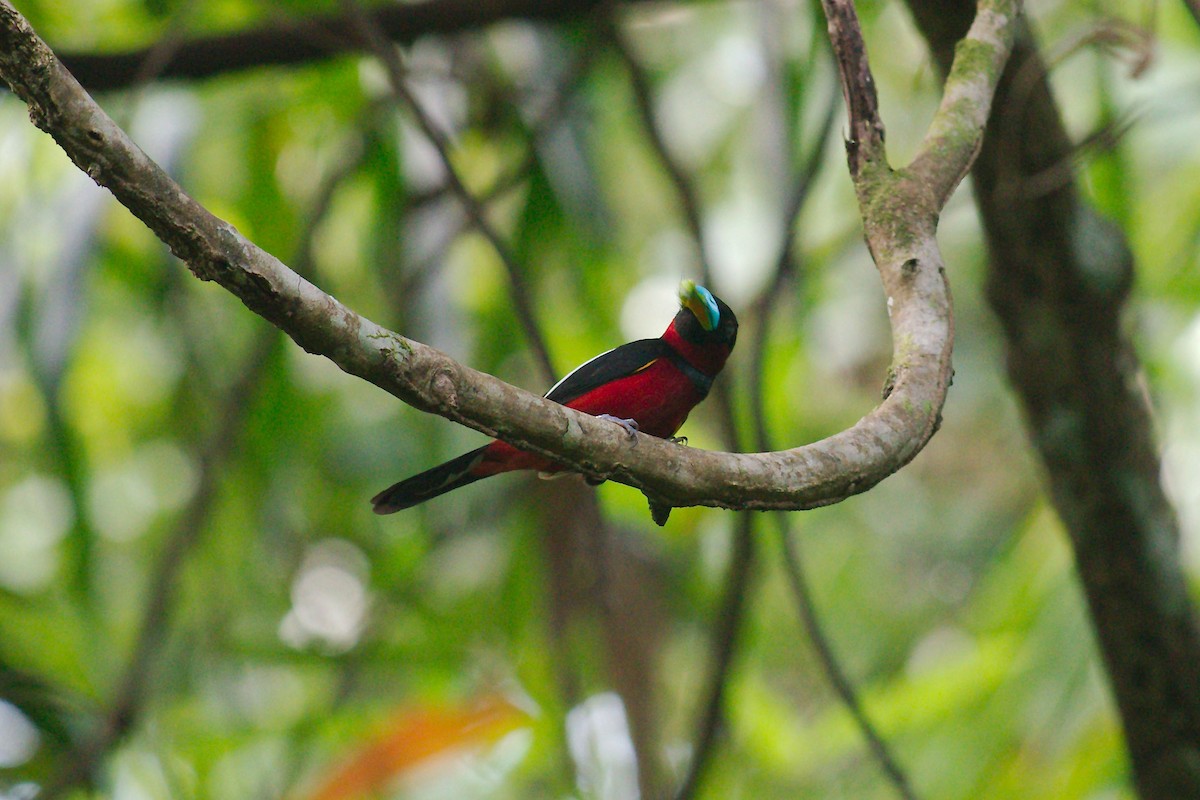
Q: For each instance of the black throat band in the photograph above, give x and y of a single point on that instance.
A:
(701, 381)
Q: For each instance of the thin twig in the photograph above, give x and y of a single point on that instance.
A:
(389, 56)
(685, 189)
(737, 580)
(786, 270)
(741, 562)
(82, 764)
(1193, 7)
(732, 609)
(865, 143)
(1111, 37)
(724, 642)
(543, 123)
(593, 519)
(841, 683)
(829, 661)
(548, 118)
(63, 445)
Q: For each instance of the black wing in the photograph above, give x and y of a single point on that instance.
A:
(607, 367)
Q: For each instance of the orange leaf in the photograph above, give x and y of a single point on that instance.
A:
(413, 735)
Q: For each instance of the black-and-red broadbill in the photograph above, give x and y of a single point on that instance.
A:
(650, 385)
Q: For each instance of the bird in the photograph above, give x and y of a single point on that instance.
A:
(649, 385)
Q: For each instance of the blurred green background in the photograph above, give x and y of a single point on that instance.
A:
(185, 536)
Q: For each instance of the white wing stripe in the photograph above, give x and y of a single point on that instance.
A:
(572, 372)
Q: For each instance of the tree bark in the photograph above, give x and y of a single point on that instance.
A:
(1058, 278)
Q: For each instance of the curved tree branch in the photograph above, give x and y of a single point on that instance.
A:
(900, 214)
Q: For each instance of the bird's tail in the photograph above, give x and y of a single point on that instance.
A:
(429, 484)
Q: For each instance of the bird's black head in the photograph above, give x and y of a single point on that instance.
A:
(704, 317)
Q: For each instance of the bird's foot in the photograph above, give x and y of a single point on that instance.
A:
(630, 425)
(679, 440)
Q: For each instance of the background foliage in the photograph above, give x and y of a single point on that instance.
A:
(187, 557)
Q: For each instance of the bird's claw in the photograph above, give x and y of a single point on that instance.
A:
(679, 440)
(630, 425)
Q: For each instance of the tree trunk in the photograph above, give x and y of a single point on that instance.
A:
(1058, 277)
